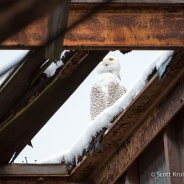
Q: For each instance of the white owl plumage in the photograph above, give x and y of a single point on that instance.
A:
(107, 88)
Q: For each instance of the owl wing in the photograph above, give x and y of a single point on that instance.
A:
(114, 92)
(98, 101)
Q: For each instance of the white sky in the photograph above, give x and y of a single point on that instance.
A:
(72, 118)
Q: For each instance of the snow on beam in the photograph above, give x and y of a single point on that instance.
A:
(139, 140)
(114, 26)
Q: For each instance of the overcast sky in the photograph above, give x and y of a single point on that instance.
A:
(67, 124)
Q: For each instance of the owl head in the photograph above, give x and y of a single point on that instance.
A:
(109, 64)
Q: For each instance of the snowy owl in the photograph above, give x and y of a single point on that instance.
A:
(107, 88)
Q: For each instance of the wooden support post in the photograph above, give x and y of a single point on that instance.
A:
(115, 26)
(132, 176)
(57, 23)
(172, 155)
(33, 169)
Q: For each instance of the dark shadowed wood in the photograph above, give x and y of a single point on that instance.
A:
(132, 175)
(42, 179)
(15, 16)
(121, 180)
(24, 126)
(152, 161)
(172, 153)
(57, 22)
(179, 123)
(130, 1)
(16, 86)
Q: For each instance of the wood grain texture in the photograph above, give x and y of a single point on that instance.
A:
(132, 175)
(16, 15)
(152, 160)
(130, 1)
(172, 153)
(32, 169)
(114, 26)
(57, 22)
(19, 83)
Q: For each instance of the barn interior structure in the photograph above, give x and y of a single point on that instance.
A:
(145, 143)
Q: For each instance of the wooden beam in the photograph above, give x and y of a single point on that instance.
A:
(126, 123)
(21, 75)
(38, 180)
(35, 174)
(15, 15)
(152, 162)
(114, 26)
(32, 169)
(57, 23)
(172, 154)
(33, 180)
(139, 140)
(131, 1)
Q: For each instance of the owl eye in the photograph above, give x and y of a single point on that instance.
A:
(111, 59)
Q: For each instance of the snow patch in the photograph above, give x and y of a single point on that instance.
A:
(51, 70)
(106, 117)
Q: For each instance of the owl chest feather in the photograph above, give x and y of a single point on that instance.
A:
(104, 79)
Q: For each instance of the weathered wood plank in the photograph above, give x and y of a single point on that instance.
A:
(132, 175)
(32, 169)
(180, 136)
(57, 22)
(38, 180)
(172, 154)
(130, 1)
(34, 180)
(19, 83)
(115, 26)
(16, 15)
(152, 161)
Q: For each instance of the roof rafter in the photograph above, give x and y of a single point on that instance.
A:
(115, 26)
(16, 15)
